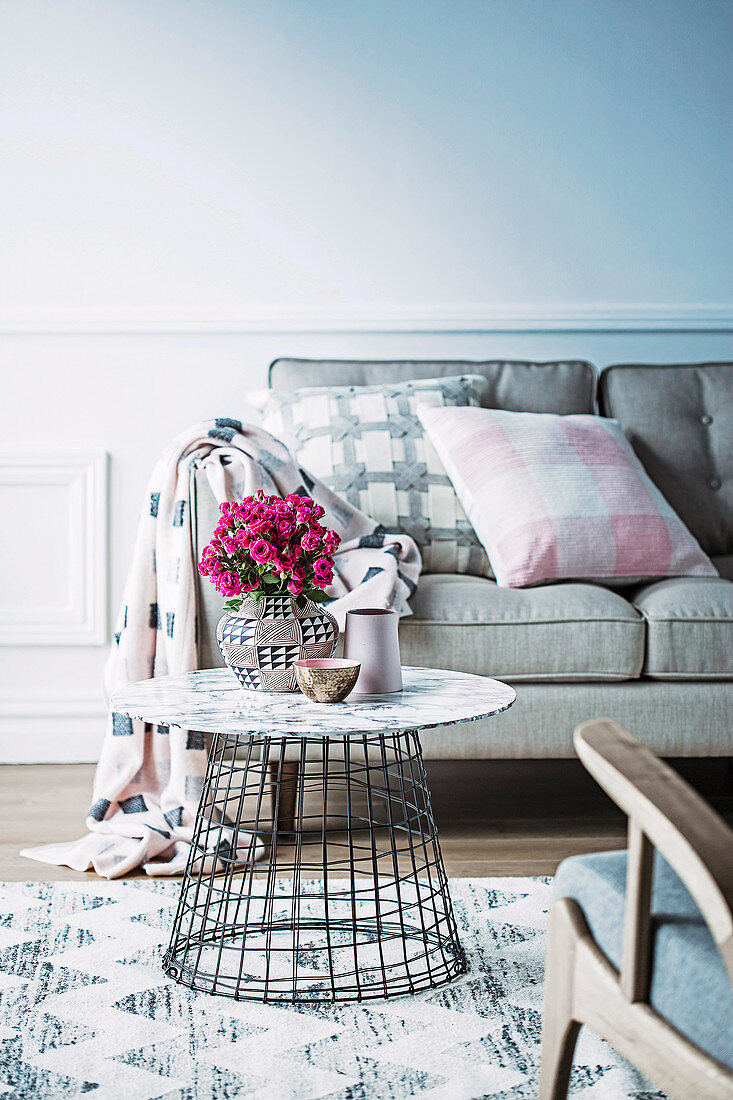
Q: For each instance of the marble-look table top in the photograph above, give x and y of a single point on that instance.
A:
(212, 701)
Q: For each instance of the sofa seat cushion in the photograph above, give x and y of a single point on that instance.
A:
(690, 985)
(689, 626)
(558, 632)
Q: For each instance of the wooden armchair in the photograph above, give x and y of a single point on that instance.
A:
(640, 946)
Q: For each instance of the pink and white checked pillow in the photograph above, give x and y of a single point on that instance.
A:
(560, 497)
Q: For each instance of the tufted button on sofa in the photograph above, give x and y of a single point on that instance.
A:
(658, 658)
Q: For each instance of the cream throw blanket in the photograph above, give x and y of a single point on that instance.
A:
(149, 778)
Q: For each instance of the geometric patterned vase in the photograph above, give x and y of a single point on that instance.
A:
(262, 640)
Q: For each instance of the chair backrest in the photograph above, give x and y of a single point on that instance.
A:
(564, 387)
(666, 813)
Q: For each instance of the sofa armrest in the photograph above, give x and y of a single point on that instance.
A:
(665, 812)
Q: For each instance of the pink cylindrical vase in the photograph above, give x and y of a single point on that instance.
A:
(370, 637)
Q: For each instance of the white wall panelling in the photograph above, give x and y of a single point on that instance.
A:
(383, 318)
(53, 580)
(60, 730)
(54, 596)
(129, 392)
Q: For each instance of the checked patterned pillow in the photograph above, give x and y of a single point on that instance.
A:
(367, 444)
(561, 498)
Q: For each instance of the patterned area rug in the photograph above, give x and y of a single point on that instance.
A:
(85, 1007)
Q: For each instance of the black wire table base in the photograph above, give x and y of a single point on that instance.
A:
(351, 903)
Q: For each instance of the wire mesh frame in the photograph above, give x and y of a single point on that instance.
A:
(351, 904)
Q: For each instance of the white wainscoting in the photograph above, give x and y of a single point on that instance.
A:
(127, 384)
(54, 576)
(383, 318)
(40, 730)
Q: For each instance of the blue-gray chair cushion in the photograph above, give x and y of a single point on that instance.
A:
(690, 985)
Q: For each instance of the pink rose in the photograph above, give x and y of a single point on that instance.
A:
(285, 526)
(310, 541)
(224, 508)
(298, 572)
(304, 512)
(229, 585)
(323, 569)
(257, 520)
(295, 585)
(242, 537)
(331, 541)
(229, 544)
(261, 552)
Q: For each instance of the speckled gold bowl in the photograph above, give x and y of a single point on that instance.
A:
(327, 679)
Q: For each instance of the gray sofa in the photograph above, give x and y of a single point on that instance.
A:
(658, 659)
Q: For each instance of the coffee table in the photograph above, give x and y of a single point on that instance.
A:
(352, 902)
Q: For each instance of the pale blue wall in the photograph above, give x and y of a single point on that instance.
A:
(207, 157)
(174, 170)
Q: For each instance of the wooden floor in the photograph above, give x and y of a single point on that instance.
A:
(495, 817)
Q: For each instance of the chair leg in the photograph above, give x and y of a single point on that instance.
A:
(288, 793)
(559, 1027)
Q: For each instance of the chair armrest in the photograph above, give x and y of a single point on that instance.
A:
(694, 840)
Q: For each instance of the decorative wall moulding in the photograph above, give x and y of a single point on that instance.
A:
(255, 319)
(68, 490)
(51, 731)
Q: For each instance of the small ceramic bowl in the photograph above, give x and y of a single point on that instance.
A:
(326, 679)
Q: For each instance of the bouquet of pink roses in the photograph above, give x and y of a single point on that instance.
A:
(270, 546)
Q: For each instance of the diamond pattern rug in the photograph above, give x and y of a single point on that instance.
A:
(86, 1008)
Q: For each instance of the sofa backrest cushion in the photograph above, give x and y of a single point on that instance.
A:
(554, 387)
(679, 420)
